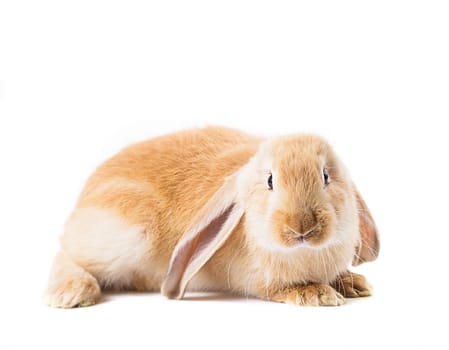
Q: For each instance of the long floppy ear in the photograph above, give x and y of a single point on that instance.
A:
(208, 231)
(368, 248)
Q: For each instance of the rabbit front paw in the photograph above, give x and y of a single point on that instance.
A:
(352, 285)
(310, 295)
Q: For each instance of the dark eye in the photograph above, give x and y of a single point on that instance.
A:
(325, 177)
(270, 182)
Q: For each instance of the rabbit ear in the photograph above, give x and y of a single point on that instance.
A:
(209, 229)
(368, 248)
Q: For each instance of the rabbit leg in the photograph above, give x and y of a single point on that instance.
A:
(352, 285)
(309, 295)
(70, 285)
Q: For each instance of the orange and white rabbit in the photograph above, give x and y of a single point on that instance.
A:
(216, 209)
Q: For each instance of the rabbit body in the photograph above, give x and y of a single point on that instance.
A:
(136, 207)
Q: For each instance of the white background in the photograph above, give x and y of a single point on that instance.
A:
(81, 79)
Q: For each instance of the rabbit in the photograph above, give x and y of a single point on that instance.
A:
(217, 209)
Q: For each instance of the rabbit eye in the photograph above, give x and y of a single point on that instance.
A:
(325, 177)
(270, 182)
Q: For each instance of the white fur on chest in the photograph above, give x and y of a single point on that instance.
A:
(276, 270)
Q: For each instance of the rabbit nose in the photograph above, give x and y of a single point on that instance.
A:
(306, 223)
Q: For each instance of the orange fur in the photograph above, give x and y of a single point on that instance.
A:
(151, 191)
(305, 205)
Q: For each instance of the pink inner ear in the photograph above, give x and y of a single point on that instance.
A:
(369, 248)
(206, 236)
(192, 249)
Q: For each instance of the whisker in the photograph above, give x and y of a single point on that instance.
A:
(337, 272)
(324, 266)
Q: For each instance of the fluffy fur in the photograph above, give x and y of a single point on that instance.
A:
(196, 204)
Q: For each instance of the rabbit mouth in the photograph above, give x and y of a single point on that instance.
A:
(313, 237)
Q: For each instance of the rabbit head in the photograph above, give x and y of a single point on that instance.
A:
(293, 194)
